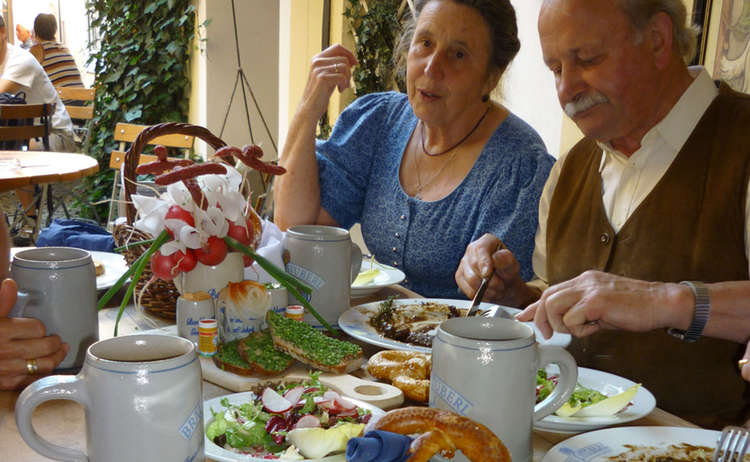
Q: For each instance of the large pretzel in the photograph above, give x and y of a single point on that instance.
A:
(407, 370)
(444, 432)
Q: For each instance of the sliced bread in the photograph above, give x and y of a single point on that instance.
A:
(257, 350)
(228, 358)
(311, 347)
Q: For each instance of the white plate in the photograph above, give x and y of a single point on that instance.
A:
(356, 322)
(388, 275)
(219, 454)
(610, 442)
(114, 266)
(609, 384)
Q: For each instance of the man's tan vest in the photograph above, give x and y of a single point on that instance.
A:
(690, 227)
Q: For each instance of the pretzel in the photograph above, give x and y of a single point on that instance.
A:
(407, 370)
(443, 431)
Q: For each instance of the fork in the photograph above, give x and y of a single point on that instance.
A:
(732, 444)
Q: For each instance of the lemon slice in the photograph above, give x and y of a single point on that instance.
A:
(611, 405)
(365, 277)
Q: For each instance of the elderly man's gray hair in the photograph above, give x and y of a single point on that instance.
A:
(641, 11)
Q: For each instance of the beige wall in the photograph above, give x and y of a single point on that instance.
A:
(214, 69)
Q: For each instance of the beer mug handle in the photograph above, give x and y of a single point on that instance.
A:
(356, 262)
(46, 389)
(566, 383)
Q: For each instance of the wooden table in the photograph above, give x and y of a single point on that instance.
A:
(63, 422)
(23, 168)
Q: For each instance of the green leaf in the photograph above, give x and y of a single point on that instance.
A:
(133, 114)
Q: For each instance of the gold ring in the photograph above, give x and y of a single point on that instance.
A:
(741, 363)
(31, 366)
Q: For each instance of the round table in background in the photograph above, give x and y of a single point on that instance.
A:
(23, 168)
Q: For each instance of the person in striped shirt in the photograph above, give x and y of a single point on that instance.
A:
(54, 57)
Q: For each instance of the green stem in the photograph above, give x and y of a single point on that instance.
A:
(133, 244)
(139, 266)
(292, 284)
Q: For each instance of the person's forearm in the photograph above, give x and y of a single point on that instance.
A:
(297, 192)
(730, 310)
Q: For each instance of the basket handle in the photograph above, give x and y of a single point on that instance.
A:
(133, 154)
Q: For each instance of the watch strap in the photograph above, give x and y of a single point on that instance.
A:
(701, 313)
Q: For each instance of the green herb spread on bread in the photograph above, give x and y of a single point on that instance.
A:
(312, 347)
(257, 348)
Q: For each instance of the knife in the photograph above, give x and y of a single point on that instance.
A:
(478, 297)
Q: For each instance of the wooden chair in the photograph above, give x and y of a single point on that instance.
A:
(81, 110)
(126, 133)
(21, 122)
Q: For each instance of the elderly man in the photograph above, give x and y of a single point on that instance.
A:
(657, 191)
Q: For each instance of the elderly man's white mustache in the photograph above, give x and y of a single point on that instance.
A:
(583, 103)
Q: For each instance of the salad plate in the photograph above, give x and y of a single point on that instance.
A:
(609, 384)
(611, 442)
(219, 454)
(114, 266)
(356, 322)
(386, 275)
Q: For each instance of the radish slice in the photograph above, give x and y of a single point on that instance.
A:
(294, 394)
(344, 403)
(308, 421)
(274, 402)
(331, 395)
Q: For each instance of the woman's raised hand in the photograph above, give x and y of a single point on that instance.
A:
(331, 68)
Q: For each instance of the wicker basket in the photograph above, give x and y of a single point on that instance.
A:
(160, 297)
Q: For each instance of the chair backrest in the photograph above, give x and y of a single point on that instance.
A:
(20, 122)
(85, 110)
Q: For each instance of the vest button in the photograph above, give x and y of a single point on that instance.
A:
(604, 238)
(395, 263)
(395, 249)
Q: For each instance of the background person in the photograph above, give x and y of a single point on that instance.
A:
(19, 71)
(54, 57)
(26, 353)
(656, 191)
(412, 167)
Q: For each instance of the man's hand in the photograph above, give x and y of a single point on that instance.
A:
(596, 300)
(487, 256)
(22, 339)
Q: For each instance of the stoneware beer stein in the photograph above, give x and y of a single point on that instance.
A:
(327, 260)
(485, 369)
(57, 285)
(142, 397)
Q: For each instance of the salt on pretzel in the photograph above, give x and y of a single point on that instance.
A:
(445, 432)
(407, 370)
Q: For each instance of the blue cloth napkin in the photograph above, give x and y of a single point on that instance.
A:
(76, 233)
(378, 446)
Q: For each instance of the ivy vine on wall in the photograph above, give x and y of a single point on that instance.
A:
(142, 76)
(376, 28)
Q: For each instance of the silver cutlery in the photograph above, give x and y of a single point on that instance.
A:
(478, 297)
(732, 444)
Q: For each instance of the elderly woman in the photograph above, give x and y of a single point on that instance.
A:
(427, 172)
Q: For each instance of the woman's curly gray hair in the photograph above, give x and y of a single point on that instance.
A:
(684, 35)
(499, 16)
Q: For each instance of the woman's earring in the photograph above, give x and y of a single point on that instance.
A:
(485, 98)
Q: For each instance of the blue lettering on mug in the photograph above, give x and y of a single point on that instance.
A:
(454, 399)
(194, 419)
(304, 274)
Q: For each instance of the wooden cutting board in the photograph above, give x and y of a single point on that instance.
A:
(382, 395)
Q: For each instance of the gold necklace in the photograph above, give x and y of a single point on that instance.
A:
(420, 186)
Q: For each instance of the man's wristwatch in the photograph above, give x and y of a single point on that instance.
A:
(700, 315)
